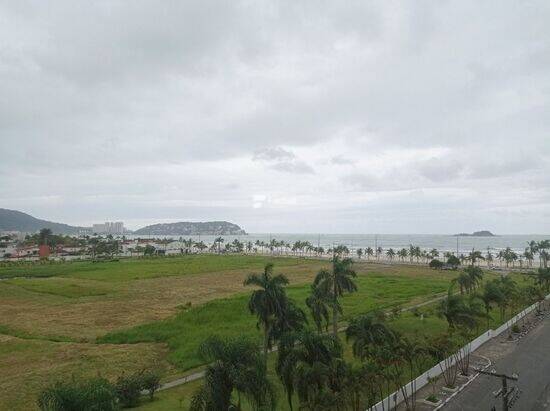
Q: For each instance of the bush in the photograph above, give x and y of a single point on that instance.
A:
(453, 261)
(432, 398)
(128, 389)
(515, 329)
(436, 264)
(94, 394)
(150, 381)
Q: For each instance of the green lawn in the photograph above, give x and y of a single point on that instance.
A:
(142, 268)
(58, 311)
(423, 323)
(230, 317)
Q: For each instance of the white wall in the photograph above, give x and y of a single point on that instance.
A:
(396, 398)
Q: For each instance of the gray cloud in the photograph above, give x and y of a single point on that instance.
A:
(145, 109)
(294, 167)
(272, 154)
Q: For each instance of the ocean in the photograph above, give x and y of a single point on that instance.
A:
(396, 241)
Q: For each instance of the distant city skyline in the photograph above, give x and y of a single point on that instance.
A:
(366, 117)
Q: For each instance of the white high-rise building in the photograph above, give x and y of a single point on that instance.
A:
(109, 228)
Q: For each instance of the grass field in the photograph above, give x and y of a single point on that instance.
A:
(85, 318)
(230, 317)
(407, 323)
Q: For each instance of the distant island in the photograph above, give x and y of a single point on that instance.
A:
(483, 233)
(189, 228)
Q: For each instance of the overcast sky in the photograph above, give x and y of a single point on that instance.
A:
(334, 117)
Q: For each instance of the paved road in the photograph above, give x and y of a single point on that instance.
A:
(530, 359)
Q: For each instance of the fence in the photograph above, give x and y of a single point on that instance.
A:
(396, 398)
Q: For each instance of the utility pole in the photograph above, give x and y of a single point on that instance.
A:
(507, 397)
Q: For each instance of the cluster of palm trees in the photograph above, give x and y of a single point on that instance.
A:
(413, 253)
(310, 363)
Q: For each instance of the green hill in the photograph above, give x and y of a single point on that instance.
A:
(12, 220)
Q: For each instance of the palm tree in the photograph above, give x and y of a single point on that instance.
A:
(369, 252)
(218, 241)
(319, 302)
(474, 256)
(339, 281)
(489, 257)
(529, 256)
(44, 235)
(234, 365)
(434, 253)
(492, 294)
(475, 274)
(464, 282)
(403, 253)
(412, 252)
(359, 253)
(310, 364)
(379, 252)
(542, 246)
(390, 253)
(365, 332)
(269, 302)
(460, 311)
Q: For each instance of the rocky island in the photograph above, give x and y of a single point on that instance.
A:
(190, 228)
(483, 233)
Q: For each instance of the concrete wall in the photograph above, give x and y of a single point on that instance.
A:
(394, 399)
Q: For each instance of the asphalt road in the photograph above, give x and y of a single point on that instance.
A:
(530, 359)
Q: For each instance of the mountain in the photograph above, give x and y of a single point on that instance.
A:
(188, 228)
(483, 233)
(12, 220)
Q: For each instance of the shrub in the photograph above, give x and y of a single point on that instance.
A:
(128, 389)
(150, 381)
(432, 398)
(515, 329)
(453, 261)
(436, 264)
(94, 394)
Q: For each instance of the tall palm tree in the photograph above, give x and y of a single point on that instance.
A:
(474, 256)
(218, 241)
(542, 246)
(269, 302)
(309, 364)
(460, 311)
(369, 252)
(359, 253)
(529, 256)
(390, 253)
(492, 294)
(339, 280)
(365, 332)
(464, 282)
(475, 274)
(379, 252)
(234, 366)
(403, 253)
(319, 302)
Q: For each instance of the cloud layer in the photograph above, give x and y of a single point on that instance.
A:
(354, 117)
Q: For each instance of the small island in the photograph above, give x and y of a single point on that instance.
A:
(483, 233)
(192, 228)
